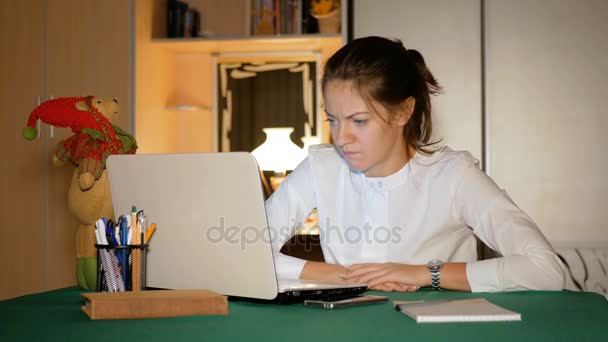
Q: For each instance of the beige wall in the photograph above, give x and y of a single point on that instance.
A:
(547, 91)
(446, 33)
(545, 81)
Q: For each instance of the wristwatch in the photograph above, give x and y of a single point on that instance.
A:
(434, 267)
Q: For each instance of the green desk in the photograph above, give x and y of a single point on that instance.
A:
(547, 316)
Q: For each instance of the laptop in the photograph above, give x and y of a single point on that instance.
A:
(212, 231)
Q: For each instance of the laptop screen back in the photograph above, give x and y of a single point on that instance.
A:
(211, 222)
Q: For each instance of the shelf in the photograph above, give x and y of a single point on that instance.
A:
(218, 44)
(250, 37)
(189, 108)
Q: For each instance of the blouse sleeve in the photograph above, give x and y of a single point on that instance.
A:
(287, 210)
(527, 260)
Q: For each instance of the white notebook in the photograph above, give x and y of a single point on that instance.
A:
(468, 310)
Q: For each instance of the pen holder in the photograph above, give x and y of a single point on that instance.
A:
(121, 268)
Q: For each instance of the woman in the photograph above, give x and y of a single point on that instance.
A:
(394, 213)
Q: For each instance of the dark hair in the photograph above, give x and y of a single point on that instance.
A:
(385, 71)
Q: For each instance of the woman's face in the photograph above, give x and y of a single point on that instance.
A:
(369, 139)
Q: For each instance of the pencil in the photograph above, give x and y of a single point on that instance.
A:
(150, 232)
(136, 267)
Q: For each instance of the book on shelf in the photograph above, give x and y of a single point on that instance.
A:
(308, 23)
(276, 17)
(265, 16)
(182, 20)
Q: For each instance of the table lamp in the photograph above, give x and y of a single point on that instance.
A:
(278, 153)
(309, 141)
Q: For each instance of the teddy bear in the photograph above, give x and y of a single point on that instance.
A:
(94, 139)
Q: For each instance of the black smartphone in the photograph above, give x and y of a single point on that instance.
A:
(361, 300)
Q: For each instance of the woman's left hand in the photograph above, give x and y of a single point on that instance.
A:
(388, 276)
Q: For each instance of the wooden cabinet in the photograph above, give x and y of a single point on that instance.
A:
(22, 185)
(87, 54)
(50, 49)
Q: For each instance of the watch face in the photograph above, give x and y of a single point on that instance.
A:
(435, 263)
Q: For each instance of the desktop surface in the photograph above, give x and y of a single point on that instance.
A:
(546, 316)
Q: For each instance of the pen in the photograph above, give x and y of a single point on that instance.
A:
(118, 230)
(110, 234)
(118, 261)
(134, 224)
(117, 234)
(144, 227)
(122, 229)
(136, 254)
(122, 222)
(98, 225)
(105, 254)
(101, 233)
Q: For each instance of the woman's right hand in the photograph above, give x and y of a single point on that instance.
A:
(395, 287)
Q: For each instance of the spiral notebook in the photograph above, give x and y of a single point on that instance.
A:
(468, 310)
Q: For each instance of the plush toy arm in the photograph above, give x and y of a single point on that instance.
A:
(90, 169)
(129, 145)
(61, 155)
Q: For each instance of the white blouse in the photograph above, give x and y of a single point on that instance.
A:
(430, 209)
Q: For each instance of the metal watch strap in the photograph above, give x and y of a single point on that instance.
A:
(434, 266)
(435, 278)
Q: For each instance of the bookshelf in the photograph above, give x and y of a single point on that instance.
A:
(211, 18)
(175, 79)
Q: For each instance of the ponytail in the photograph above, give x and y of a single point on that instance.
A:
(419, 129)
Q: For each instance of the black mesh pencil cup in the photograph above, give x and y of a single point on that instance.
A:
(121, 268)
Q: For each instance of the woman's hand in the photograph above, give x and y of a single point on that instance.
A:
(389, 276)
(323, 272)
(395, 287)
(332, 273)
(381, 276)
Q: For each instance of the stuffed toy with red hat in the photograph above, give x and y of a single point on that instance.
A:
(94, 139)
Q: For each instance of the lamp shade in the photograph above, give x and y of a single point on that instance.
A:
(278, 153)
(309, 141)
